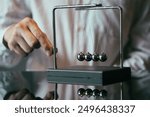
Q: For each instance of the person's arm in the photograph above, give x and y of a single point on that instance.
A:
(12, 11)
(139, 55)
(14, 26)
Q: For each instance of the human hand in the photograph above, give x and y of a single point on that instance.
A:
(25, 94)
(25, 36)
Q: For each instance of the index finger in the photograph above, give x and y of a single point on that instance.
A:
(41, 37)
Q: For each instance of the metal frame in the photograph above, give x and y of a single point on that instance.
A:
(86, 7)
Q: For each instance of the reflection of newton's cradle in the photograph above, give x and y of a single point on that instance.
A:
(89, 75)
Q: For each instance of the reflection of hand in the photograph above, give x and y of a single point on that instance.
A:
(25, 36)
(136, 64)
(50, 96)
(23, 94)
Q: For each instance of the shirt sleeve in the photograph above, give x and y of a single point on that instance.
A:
(139, 55)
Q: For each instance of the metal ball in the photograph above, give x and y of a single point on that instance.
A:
(95, 57)
(88, 92)
(103, 57)
(81, 92)
(81, 56)
(103, 93)
(96, 93)
(88, 57)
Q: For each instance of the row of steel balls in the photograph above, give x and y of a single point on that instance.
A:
(89, 57)
(89, 92)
